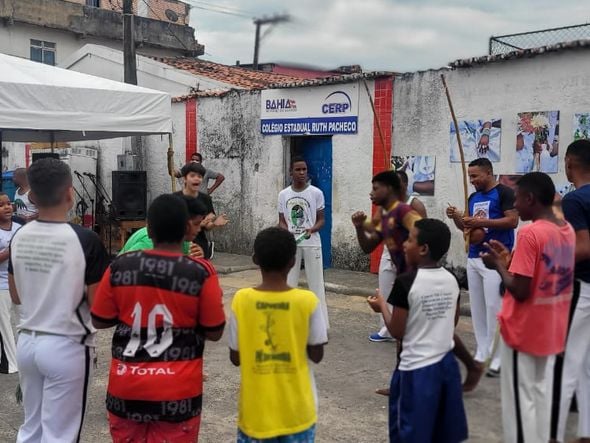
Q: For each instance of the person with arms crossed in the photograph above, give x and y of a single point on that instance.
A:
(274, 330)
(53, 272)
(572, 371)
(301, 212)
(491, 208)
(426, 402)
(7, 344)
(533, 319)
(164, 306)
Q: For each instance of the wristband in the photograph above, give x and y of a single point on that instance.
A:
(485, 131)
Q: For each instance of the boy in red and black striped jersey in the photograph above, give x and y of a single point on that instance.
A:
(164, 305)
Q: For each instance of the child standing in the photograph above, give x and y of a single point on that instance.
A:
(164, 305)
(426, 402)
(53, 272)
(534, 315)
(274, 329)
(7, 345)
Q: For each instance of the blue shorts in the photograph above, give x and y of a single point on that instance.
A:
(426, 404)
(307, 436)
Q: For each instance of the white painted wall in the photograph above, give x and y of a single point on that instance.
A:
(106, 62)
(254, 166)
(15, 40)
(421, 117)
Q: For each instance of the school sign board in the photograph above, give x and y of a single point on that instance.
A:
(321, 110)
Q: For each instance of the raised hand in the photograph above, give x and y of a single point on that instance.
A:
(358, 219)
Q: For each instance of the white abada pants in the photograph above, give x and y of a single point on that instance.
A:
(314, 273)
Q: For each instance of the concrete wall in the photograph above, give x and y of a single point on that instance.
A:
(421, 117)
(16, 40)
(255, 167)
(72, 25)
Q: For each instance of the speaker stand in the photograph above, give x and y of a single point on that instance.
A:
(125, 226)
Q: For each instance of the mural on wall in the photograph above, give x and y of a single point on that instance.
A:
(537, 142)
(480, 138)
(420, 170)
(582, 126)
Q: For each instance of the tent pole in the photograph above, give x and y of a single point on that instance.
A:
(171, 161)
(1, 163)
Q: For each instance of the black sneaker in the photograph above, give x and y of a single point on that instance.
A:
(493, 373)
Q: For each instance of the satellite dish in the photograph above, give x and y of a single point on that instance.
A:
(172, 16)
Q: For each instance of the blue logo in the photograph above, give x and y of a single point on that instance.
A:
(337, 102)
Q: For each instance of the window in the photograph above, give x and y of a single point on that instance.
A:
(43, 52)
(95, 3)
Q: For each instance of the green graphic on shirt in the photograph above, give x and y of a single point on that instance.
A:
(271, 353)
(19, 204)
(297, 216)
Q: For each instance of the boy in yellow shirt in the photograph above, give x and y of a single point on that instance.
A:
(273, 331)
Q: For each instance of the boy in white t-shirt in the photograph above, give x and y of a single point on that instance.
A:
(301, 212)
(7, 344)
(426, 400)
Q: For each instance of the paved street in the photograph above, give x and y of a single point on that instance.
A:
(352, 369)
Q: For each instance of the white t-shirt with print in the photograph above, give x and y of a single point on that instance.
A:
(300, 211)
(5, 237)
(430, 296)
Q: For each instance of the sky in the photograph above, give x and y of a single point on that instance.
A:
(391, 35)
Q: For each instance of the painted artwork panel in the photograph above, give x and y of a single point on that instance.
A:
(420, 170)
(537, 142)
(582, 126)
(480, 139)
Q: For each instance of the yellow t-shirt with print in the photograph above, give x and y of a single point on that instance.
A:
(276, 396)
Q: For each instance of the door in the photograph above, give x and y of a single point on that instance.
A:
(317, 152)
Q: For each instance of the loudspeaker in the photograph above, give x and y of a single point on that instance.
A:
(129, 195)
(39, 155)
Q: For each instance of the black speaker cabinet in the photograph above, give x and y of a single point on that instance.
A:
(39, 155)
(130, 195)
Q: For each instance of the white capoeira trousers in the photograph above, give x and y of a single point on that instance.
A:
(7, 344)
(575, 372)
(387, 274)
(314, 273)
(526, 382)
(54, 374)
(485, 300)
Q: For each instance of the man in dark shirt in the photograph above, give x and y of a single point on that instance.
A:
(572, 371)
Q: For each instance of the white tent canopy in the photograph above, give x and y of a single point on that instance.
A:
(44, 103)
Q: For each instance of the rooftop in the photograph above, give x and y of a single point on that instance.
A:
(247, 79)
(238, 77)
(521, 53)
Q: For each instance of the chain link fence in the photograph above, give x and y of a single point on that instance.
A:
(526, 40)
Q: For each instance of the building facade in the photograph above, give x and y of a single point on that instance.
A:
(49, 31)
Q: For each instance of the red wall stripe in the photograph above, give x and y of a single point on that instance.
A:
(383, 100)
(191, 128)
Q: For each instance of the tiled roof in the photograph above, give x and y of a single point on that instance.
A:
(521, 53)
(233, 75)
(205, 93)
(241, 78)
(345, 78)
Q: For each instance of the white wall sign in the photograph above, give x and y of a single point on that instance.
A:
(310, 111)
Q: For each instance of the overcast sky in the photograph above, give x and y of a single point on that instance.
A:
(393, 35)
